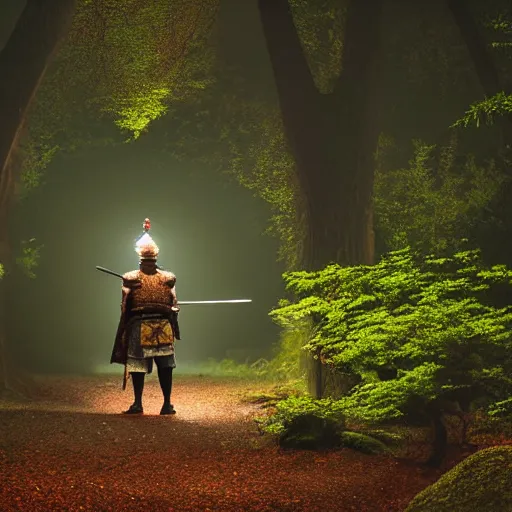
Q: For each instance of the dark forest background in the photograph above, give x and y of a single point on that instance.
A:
(343, 129)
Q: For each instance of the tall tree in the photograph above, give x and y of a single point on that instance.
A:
(24, 60)
(332, 137)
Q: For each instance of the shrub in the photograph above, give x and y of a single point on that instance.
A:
(421, 334)
(417, 330)
(294, 407)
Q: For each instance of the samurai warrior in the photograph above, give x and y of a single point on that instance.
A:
(148, 325)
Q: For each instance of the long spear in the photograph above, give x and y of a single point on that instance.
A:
(183, 302)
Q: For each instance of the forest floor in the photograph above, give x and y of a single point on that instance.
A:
(71, 450)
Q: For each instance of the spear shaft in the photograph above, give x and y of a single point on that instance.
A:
(107, 271)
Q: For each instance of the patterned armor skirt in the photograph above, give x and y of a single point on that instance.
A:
(150, 336)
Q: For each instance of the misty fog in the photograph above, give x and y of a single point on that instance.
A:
(89, 211)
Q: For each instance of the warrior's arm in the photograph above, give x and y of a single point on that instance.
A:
(174, 299)
(175, 307)
(171, 283)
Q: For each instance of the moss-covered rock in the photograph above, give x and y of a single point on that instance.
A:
(310, 432)
(362, 443)
(388, 438)
(481, 483)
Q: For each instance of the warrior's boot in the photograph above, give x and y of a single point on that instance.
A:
(165, 379)
(138, 388)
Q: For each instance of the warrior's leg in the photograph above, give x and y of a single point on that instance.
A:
(165, 379)
(138, 388)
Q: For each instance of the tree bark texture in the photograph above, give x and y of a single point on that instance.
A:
(332, 137)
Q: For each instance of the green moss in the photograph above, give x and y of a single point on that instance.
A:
(388, 438)
(481, 483)
(270, 397)
(310, 432)
(362, 443)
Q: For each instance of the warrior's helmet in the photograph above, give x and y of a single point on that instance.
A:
(145, 246)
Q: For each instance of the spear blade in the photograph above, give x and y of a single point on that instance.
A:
(228, 301)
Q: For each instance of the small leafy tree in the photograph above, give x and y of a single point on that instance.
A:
(422, 334)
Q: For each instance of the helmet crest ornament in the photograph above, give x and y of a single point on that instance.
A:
(145, 246)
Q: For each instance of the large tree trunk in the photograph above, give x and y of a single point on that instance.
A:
(332, 137)
(23, 62)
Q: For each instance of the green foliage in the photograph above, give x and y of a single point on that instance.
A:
(303, 422)
(320, 25)
(28, 260)
(490, 430)
(486, 110)
(125, 61)
(137, 112)
(432, 204)
(226, 368)
(310, 432)
(385, 437)
(261, 162)
(497, 23)
(362, 443)
(35, 159)
(287, 412)
(480, 483)
(270, 397)
(132, 58)
(427, 320)
(288, 361)
(244, 139)
(501, 409)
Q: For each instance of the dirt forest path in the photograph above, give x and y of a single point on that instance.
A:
(72, 451)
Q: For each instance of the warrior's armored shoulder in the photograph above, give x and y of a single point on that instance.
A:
(133, 275)
(131, 278)
(168, 277)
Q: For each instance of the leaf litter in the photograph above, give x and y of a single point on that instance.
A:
(72, 450)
